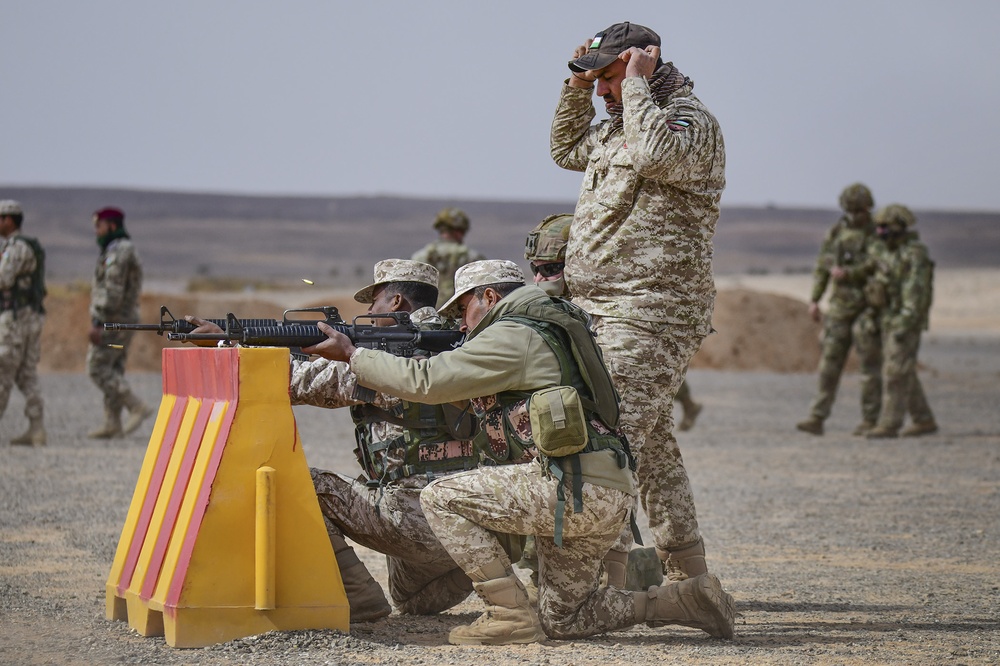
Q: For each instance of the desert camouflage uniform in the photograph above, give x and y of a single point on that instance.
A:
(423, 578)
(114, 297)
(906, 274)
(848, 320)
(20, 330)
(447, 257)
(467, 510)
(640, 260)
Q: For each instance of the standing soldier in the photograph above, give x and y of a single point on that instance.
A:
(842, 259)
(639, 258)
(903, 281)
(449, 252)
(22, 290)
(114, 296)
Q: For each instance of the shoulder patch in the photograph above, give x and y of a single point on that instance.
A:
(678, 124)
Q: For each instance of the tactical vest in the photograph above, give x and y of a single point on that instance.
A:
(436, 439)
(28, 290)
(506, 429)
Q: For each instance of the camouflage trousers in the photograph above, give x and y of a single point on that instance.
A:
(648, 361)
(839, 333)
(20, 350)
(106, 368)
(903, 391)
(423, 578)
(468, 509)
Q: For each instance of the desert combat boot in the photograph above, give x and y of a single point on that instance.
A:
(922, 428)
(138, 411)
(698, 602)
(509, 618)
(33, 436)
(812, 425)
(112, 426)
(364, 594)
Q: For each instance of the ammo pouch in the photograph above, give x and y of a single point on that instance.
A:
(875, 293)
(558, 421)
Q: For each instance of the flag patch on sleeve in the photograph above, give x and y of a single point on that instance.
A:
(678, 125)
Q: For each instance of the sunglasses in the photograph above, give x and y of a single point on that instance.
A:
(548, 270)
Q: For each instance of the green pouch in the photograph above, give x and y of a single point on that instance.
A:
(558, 423)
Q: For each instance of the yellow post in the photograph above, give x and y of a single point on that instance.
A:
(265, 539)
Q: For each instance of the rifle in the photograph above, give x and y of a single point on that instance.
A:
(171, 325)
(403, 338)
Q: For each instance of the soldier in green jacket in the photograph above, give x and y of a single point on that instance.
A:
(902, 285)
(840, 266)
(520, 341)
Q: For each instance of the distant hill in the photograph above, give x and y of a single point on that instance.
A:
(336, 239)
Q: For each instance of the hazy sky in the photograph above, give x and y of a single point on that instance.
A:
(454, 99)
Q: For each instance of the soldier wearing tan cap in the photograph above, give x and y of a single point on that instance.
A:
(401, 445)
(573, 490)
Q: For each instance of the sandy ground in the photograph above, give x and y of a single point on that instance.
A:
(838, 550)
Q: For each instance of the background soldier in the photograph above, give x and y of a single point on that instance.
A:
(22, 290)
(114, 297)
(449, 252)
(904, 282)
(639, 258)
(842, 260)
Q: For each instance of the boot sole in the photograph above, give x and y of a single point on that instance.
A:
(517, 638)
(720, 604)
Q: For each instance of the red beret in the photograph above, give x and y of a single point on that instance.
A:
(112, 214)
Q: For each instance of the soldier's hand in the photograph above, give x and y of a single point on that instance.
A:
(202, 326)
(838, 273)
(337, 346)
(95, 335)
(640, 62)
(814, 312)
(581, 79)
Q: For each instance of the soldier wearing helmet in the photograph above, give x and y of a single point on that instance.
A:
(901, 285)
(449, 252)
(22, 289)
(840, 266)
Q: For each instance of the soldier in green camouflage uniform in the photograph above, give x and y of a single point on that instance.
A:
(841, 265)
(640, 251)
(520, 341)
(22, 289)
(449, 252)
(902, 284)
(114, 297)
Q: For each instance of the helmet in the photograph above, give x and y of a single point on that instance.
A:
(895, 214)
(451, 218)
(10, 207)
(547, 241)
(856, 198)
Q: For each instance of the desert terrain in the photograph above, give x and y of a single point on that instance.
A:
(837, 550)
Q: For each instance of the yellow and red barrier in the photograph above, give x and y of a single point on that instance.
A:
(224, 537)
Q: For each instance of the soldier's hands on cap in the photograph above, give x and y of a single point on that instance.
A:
(581, 79)
(337, 346)
(640, 62)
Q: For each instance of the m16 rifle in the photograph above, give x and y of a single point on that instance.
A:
(171, 325)
(403, 338)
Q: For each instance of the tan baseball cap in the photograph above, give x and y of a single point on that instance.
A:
(398, 270)
(477, 274)
(11, 207)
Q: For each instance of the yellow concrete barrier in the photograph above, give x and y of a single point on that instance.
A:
(224, 537)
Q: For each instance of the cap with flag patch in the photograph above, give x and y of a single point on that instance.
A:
(610, 43)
